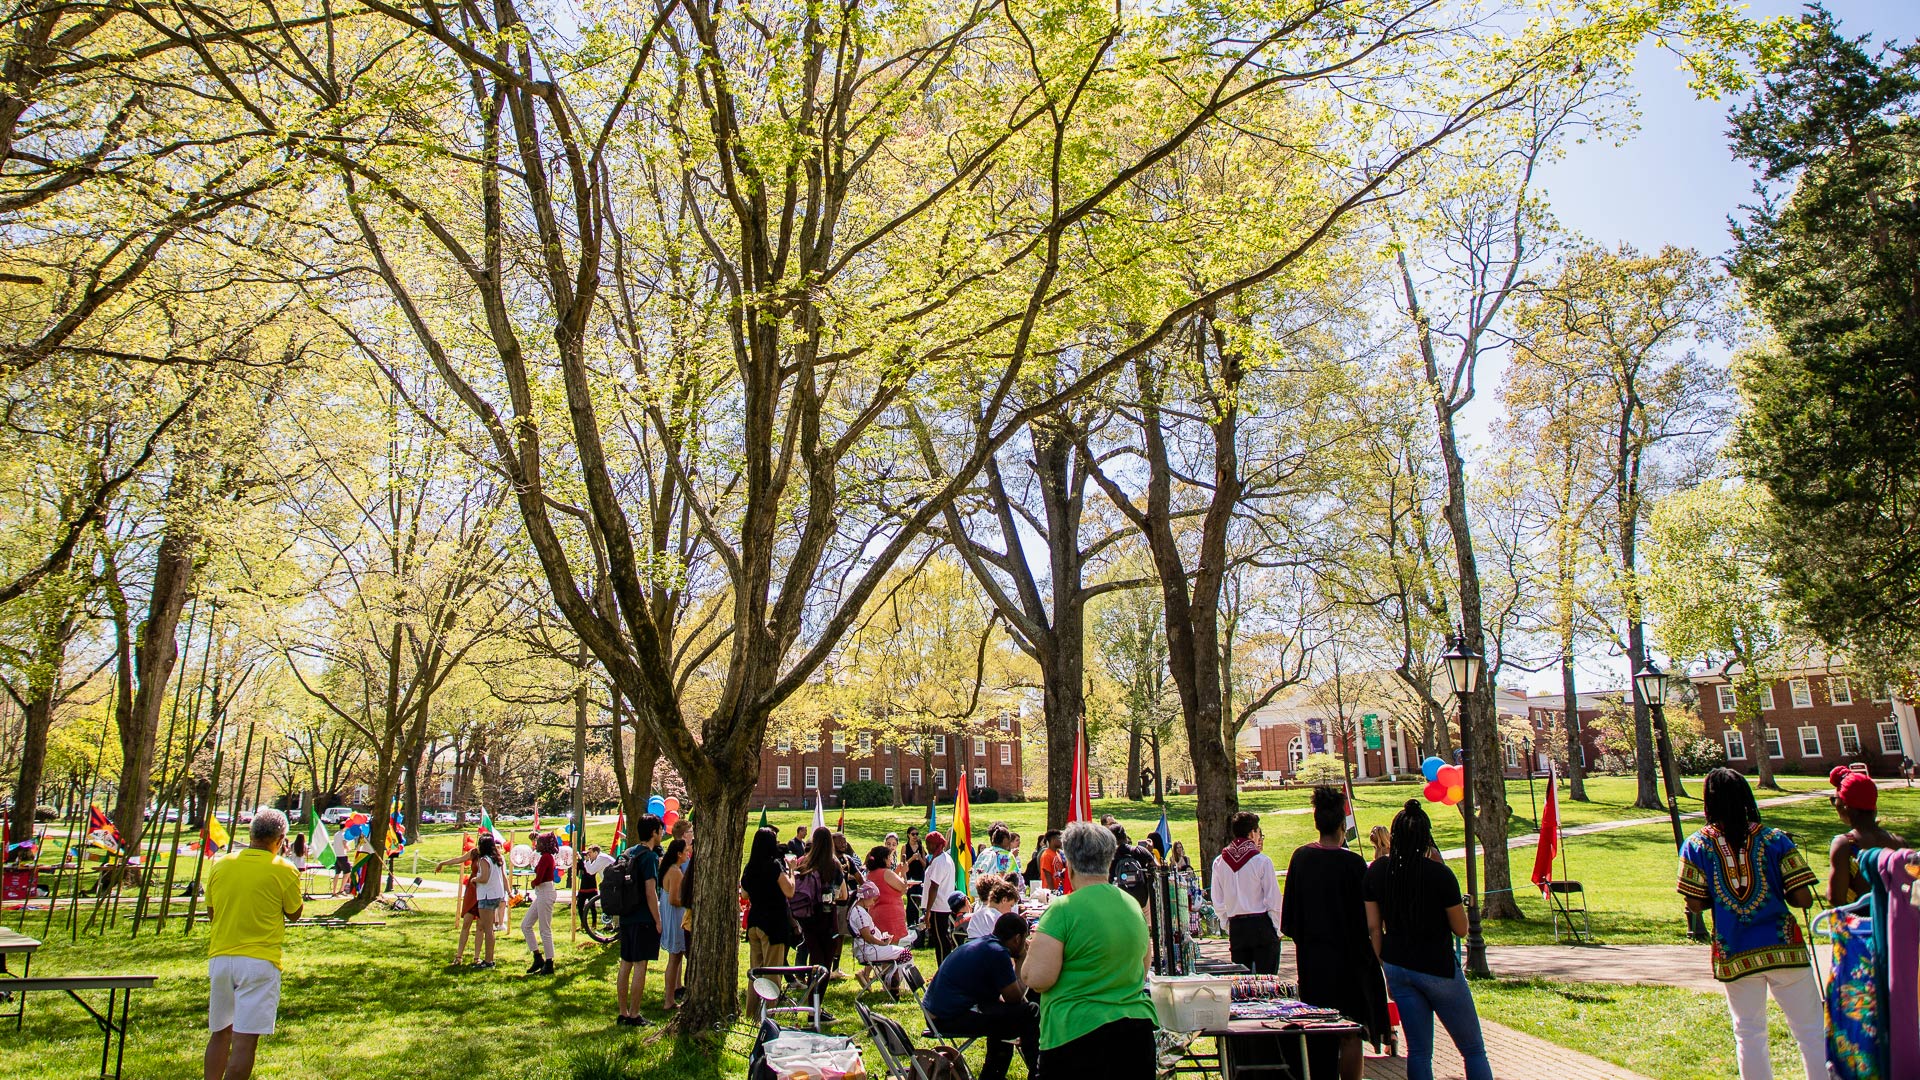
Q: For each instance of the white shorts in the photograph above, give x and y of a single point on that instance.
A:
(244, 996)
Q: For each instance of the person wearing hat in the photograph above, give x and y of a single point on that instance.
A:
(1857, 801)
(978, 992)
(877, 949)
(935, 884)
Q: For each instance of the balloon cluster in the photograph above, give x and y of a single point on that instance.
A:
(667, 809)
(1445, 783)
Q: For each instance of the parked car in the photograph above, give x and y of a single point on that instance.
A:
(334, 815)
(428, 817)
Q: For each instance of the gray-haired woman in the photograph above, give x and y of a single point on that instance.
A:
(1088, 959)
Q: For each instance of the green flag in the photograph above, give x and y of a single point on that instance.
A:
(317, 839)
(486, 826)
(764, 824)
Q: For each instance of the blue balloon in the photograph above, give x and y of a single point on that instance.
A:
(1431, 767)
(656, 806)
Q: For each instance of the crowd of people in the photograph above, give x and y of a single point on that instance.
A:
(1063, 981)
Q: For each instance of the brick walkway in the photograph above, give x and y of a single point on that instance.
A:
(1515, 1055)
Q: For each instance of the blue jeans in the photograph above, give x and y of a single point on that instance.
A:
(1421, 997)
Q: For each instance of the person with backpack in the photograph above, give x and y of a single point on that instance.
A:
(1246, 896)
(629, 889)
(819, 886)
(1132, 869)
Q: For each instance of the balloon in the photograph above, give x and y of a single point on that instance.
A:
(672, 804)
(1454, 794)
(1451, 776)
(1431, 767)
(1435, 791)
(656, 806)
(670, 817)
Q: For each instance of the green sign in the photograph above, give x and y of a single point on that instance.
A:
(1370, 730)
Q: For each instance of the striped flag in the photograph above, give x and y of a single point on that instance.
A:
(215, 834)
(962, 836)
(1080, 804)
(486, 824)
(317, 838)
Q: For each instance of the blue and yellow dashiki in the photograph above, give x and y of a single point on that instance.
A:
(1747, 885)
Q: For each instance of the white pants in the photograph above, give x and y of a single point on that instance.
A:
(540, 912)
(1799, 996)
(243, 993)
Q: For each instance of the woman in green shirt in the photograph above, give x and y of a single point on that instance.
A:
(1088, 960)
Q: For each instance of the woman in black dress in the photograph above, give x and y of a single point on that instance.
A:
(1323, 909)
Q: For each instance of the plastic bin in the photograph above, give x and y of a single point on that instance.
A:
(1192, 1002)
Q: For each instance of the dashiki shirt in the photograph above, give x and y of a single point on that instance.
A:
(1747, 883)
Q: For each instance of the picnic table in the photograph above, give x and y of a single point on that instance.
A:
(1249, 1047)
(12, 942)
(119, 990)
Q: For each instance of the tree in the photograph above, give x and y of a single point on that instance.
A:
(1829, 425)
(1715, 598)
(1131, 633)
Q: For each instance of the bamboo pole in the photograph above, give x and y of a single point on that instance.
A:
(185, 771)
(80, 856)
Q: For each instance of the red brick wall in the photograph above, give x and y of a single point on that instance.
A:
(1825, 717)
(1005, 777)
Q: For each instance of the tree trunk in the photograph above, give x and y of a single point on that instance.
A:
(1749, 695)
(1576, 765)
(38, 721)
(1064, 703)
(1134, 739)
(152, 659)
(713, 983)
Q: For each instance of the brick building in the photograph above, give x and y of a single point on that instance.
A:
(1815, 718)
(1547, 712)
(987, 755)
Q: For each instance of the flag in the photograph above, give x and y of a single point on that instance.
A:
(840, 825)
(1165, 833)
(101, 832)
(1549, 845)
(1080, 803)
(216, 834)
(619, 842)
(764, 823)
(396, 829)
(962, 836)
(933, 818)
(1353, 825)
(486, 823)
(317, 843)
(819, 811)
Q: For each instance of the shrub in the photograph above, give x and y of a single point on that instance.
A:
(45, 814)
(985, 795)
(859, 793)
(1699, 756)
(1613, 765)
(1320, 769)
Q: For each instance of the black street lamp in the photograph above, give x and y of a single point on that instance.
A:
(1651, 682)
(1464, 668)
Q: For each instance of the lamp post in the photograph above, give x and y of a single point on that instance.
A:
(1464, 668)
(1651, 682)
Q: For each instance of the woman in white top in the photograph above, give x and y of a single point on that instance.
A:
(490, 896)
(874, 947)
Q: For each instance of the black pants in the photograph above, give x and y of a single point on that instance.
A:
(1121, 1050)
(1253, 942)
(820, 935)
(999, 1022)
(940, 929)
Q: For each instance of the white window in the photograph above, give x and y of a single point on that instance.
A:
(1513, 754)
(913, 777)
(979, 778)
(1890, 737)
(940, 746)
(1296, 753)
(1839, 690)
(1725, 693)
(784, 744)
(940, 779)
(866, 742)
(1774, 749)
(889, 778)
(813, 777)
(1736, 744)
(1006, 722)
(839, 742)
(979, 747)
(1849, 740)
(783, 777)
(913, 744)
(1766, 698)
(1006, 754)
(1809, 742)
(1801, 693)
(865, 773)
(839, 777)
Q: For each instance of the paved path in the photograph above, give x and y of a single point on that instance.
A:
(1515, 1055)
(1533, 839)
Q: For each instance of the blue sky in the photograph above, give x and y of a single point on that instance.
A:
(1672, 182)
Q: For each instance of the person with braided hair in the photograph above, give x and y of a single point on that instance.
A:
(1414, 911)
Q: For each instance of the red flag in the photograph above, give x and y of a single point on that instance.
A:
(1080, 806)
(840, 823)
(1549, 845)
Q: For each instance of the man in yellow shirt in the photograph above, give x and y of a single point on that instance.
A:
(250, 896)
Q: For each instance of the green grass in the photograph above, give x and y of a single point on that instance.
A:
(1662, 1032)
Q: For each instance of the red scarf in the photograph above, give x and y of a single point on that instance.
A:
(1237, 853)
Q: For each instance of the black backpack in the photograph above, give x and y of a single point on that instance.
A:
(1129, 873)
(620, 887)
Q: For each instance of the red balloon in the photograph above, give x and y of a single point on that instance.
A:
(1436, 791)
(669, 818)
(1451, 776)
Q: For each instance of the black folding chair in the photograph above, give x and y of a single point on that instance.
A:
(1567, 899)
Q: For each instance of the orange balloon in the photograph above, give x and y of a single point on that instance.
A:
(1455, 794)
(673, 804)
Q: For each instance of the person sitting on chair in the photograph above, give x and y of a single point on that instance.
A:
(978, 991)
